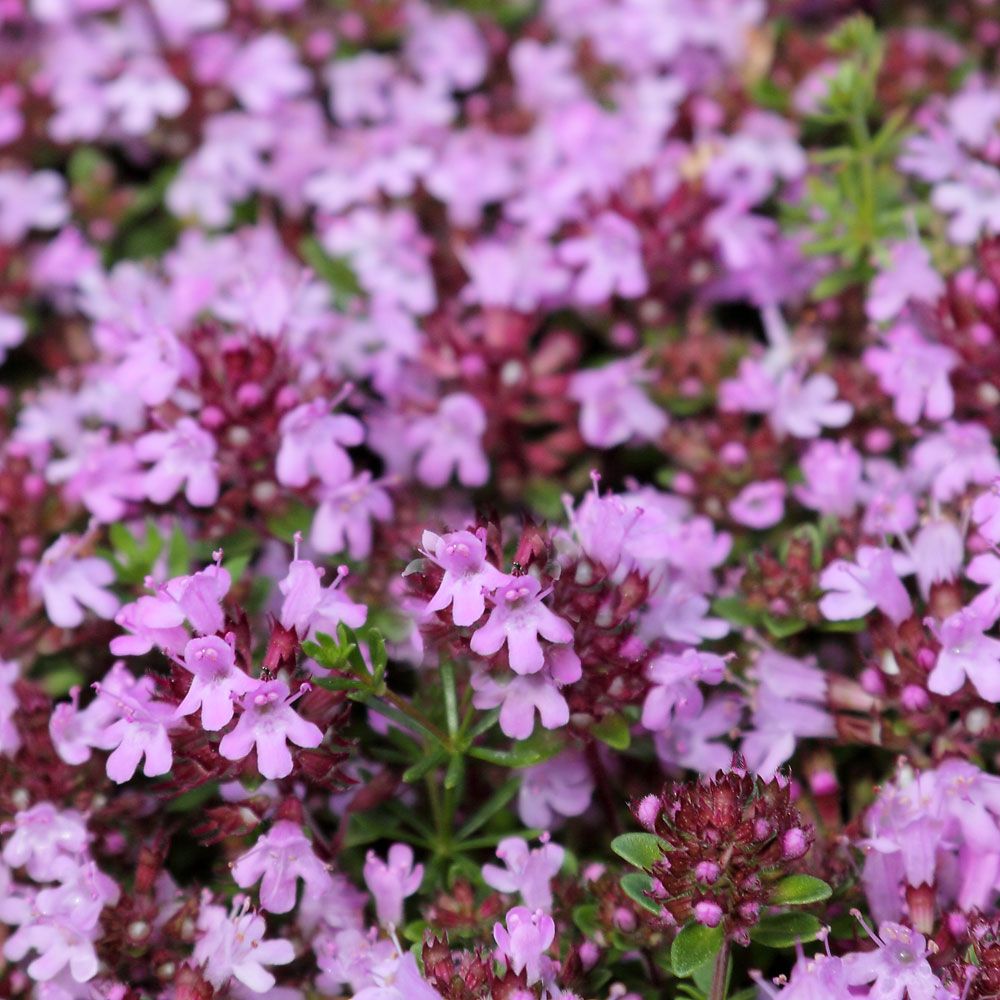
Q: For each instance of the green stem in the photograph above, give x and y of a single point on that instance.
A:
(402, 705)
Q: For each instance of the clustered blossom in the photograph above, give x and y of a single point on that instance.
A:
(431, 428)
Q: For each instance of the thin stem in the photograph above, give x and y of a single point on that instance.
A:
(721, 973)
(402, 705)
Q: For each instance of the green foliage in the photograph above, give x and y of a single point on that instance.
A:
(784, 930)
(694, 946)
(855, 199)
(799, 890)
(635, 885)
(642, 850)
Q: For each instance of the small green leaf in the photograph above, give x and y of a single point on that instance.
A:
(783, 930)
(613, 730)
(782, 628)
(799, 890)
(587, 918)
(635, 885)
(640, 849)
(734, 610)
(695, 945)
(489, 809)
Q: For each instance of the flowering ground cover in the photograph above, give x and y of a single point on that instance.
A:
(499, 500)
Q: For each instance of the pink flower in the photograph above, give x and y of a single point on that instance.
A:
(986, 513)
(468, 576)
(524, 940)
(559, 787)
(45, 841)
(954, 458)
(610, 260)
(217, 680)
(450, 442)
(102, 476)
(30, 201)
(613, 407)
(692, 743)
(914, 372)
(392, 881)
(855, 588)
(266, 72)
(67, 584)
(521, 696)
(343, 519)
(907, 276)
(898, 966)
(232, 946)
(803, 407)
(759, 505)
(281, 857)
(183, 456)
(156, 620)
(269, 722)
(200, 595)
(526, 871)
(312, 445)
(967, 653)
(10, 738)
(518, 618)
(140, 729)
(832, 472)
(310, 608)
(674, 690)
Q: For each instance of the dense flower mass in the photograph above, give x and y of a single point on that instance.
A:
(499, 500)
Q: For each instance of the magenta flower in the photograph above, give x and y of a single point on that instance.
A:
(181, 457)
(609, 257)
(522, 943)
(310, 608)
(47, 842)
(449, 442)
(518, 618)
(613, 406)
(986, 513)
(156, 620)
(804, 406)
(559, 787)
(268, 722)
(759, 505)
(313, 445)
(344, 518)
(67, 584)
(521, 696)
(104, 477)
(392, 881)
(278, 859)
(855, 588)
(832, 473)
(232, 946)
(967, 653)
(217, 681)
(695, 743)
(10, 738)
(898, 966)
(30, 201)
(908, 276)
(468, 575)
(266, 72)
(914, 372)
(674, 690)
(139, 731)
(200, 595)
(526, 871)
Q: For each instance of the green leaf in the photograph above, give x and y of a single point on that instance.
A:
(799, 890)
(642, 850)
(422, 767)
(695, 945)
(489, 809)
(613, 730)
(783, 930)
(635, 885)
(587, 918)
(734, 610)
(782, 628)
